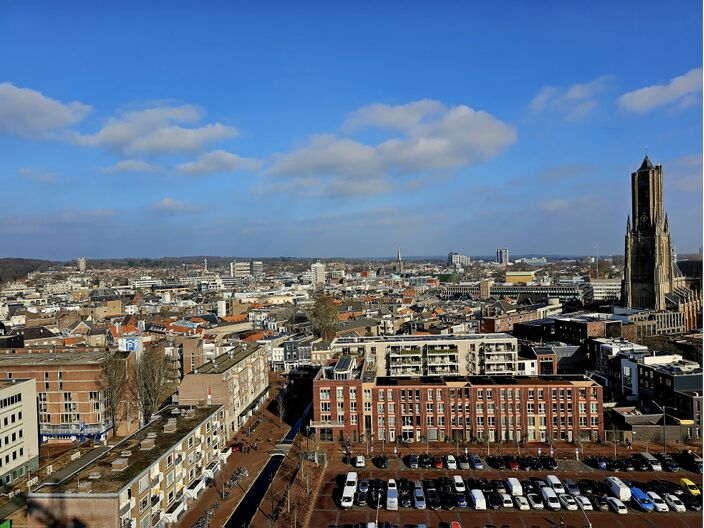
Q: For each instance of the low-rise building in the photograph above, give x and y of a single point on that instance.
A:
(146, 480)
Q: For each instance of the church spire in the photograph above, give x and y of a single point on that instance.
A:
(667, 224)
(628, 225)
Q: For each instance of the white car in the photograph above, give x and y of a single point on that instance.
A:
(360, 461)
(458, 484)
(616, 505)
(450, 462)
(567, 501)
(521, 503)
(584, 503)
(660, 505)
(506, 501)
(674, 503)
(391, 495)
(534, 501)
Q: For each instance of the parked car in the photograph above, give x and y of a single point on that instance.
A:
(476, 462)
(360, 461)
(521, 503)
(584, 503)
(363, 485)
(616, 506)
(599, 502)
(692, 502)
(550, 498)
(534, 501)
(586, 486)
(567, 501)
(674, 503)
(538, 483)
(437, 462)
(413, 461)
(477, 499)
(506, 501)
(513, 486)
(571, 487)
(493, 500)
(382, 462)
(463, 462)
(458, 484)
(512, 463)
(689, 487)
(641, 500)
(668, 463)
(392, 495)
(498, 486)
(555, 484)
(461, 500)
(496, 462)
(360, 499)
(450, 462)
(418, 495)
(425, 462)
(658, 502)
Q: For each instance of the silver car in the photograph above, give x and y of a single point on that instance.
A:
(418, 495)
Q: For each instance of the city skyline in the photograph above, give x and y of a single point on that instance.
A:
(321, 133)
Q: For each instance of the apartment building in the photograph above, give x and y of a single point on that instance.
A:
(350, 402)
(19, 444)
(237, 380)
(147, 480)
(71, 404)
(433, 355)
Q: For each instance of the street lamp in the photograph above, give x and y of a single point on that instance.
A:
(307, 436)
(664, 429)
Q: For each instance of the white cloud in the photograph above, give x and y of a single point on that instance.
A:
(131, 165)
(684, 90)
(574, 103)
(554, 205)
(29, 113)
(685, 174)
(156, 131)
(433, 138)
(171, 206)
(38, 175)
(218, 161)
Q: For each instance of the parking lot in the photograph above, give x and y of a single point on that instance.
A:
(495, 472)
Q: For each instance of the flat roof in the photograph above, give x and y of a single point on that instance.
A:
(100, 474)
(224, 362)
(387, 381)
(416, 338)
(5, 383)
(57, 358)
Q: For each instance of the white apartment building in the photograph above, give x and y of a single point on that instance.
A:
(19, 433)
(435, 355)
(317, 273)
(147, 480)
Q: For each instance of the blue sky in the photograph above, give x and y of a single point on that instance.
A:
(305, 129)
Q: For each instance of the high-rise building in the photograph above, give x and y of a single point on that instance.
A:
(650, 270)
(502, 256)
(317, 273)
(81, 263)
(243, 268)
(457, 260)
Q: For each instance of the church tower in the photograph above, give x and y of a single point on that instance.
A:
(648, 272)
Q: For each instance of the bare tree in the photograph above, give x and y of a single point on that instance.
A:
(280, 406)
(152, 382)
(324, 317)
(113, 384)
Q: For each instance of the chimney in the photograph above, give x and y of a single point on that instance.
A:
(119, 464)
(170, 427)
(147, 444)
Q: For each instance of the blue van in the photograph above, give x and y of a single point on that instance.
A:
(641, 500)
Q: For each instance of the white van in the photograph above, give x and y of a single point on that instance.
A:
(351, 480)
(347, 499)
(513, 486)
(653, 462)
(618, 489)
(550, 498)
(555, 484)
(477, 499)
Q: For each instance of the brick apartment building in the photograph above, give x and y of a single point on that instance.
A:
(147, 480)
(238, 380)
(71, 404)
(504, 322)
(350, 402)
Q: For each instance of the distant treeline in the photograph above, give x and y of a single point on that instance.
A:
(12, 269)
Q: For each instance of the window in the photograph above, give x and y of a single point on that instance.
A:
(339, 393)
(143, 484)
(353, 394)
(325, 394)
(143, 506)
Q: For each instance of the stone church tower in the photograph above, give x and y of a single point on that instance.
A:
(650, 272)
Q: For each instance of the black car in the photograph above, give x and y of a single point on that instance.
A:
(485, 485)
(432, 499)
(449, 501)
(493, 500)
(375, 497)
(628, 465)
(525, 463)
(614, 464)
(538, 483)
(473, 483)
(496, 462)
(425, 462)
(528, 487)
(499, 486)
(691, 502)
(382, 462)
(413, 461)
(586, 486)
(599, 502)
(550, 463)
(360, 499)
(639, 465)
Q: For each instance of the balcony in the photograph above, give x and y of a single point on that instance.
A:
(405, 352)
(127, 507)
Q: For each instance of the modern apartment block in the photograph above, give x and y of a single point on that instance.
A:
(238, 380)
(351, 402)
(434, 355)
(147, 480)
(19, 440)
(71, 404)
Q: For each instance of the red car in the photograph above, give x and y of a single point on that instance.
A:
(512, 464)
(438, 463)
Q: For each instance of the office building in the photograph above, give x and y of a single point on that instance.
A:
(502, 256)
(458, 261)
(81, 264)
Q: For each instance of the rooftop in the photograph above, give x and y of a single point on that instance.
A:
(384, 381)
(226, 361)
(421, 338)
(59, 358)
(100, 473)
